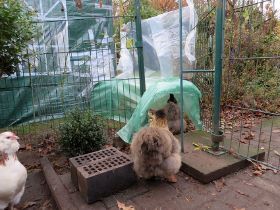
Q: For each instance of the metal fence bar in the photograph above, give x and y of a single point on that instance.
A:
(254, 110)
(253, 4)
(181, 77)
(139, 46)
(256, 58)
(56, 67)
(197, 71)
(218, 69)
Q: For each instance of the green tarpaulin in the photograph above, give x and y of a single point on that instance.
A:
(118, 99)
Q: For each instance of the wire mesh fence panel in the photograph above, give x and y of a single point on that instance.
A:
(250, 91)
(72, 65)
(251, 79)
(254, 130)
(201, 71)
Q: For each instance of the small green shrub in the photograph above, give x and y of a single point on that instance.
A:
(81, 133)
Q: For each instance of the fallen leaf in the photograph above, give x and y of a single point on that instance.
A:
(28, 147)
(46, 205)
(231, 151)
(28, 204)
(276, 131)
(263, 167)
(257, 173)
(259, 167)
(57, 165)
(200, 147)
(107, 145)
(122, 206)
(187, 178)
(258, 114)
(188, 199)
(276, 152)
(79, 4)
(250, 184)
(33, 166)
(242, 193)
(219, 184)
(247, 125)
(250, 136)
(243, 141)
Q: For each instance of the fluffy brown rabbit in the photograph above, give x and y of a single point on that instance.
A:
(172, 111)
(155, 151)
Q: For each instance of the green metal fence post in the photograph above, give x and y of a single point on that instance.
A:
(139, 45)
(218, 71)
(181, 77)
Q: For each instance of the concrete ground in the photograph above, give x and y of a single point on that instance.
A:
(37, 195)
(238, 191)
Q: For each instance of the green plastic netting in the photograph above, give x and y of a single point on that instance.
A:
(118, 99)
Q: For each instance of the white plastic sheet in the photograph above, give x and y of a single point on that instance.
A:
(161, 43)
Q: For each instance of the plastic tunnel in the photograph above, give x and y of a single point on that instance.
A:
(156, 97)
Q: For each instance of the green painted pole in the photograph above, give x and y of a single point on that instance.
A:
(181, 77)
(218, 69)
(139, 45)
